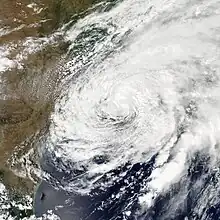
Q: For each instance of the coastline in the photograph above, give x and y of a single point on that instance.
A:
(31, 56)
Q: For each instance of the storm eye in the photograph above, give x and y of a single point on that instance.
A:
(191, 109)
(100, 159)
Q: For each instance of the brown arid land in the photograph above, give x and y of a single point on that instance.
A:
(28, 91)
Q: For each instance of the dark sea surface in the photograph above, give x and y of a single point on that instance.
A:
(135, 134)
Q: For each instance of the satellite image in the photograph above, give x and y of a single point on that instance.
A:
(110, 110)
